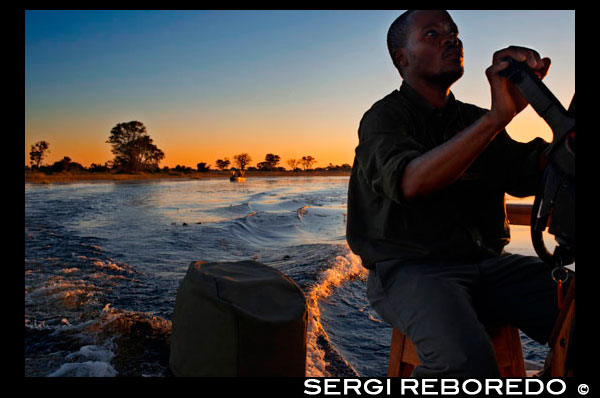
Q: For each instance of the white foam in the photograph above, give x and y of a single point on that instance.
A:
(302, 211)
(85, 369)
(108, 264)
(344, 268)
(92, 352)
(69, 270)
(89, 361)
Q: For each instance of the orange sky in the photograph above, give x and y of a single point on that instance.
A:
(205, 139)
(329, 141)
(299, 92)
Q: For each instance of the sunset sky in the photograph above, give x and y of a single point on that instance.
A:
(212, 84)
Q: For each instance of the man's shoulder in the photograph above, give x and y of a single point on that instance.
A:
(386, 110)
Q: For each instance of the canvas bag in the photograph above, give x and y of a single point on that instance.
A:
(238, 319)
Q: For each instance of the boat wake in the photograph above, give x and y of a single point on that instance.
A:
(322, 359)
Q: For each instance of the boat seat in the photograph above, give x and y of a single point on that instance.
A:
(505, 339)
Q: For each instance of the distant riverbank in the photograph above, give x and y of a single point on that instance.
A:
(66, 177)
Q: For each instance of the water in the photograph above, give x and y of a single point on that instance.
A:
(103, 262)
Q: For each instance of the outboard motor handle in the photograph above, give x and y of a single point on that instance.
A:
(541, 98)
(558, 182)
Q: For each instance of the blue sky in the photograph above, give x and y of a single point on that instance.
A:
(210, 84)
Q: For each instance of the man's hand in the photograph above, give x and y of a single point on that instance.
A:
(507, 101)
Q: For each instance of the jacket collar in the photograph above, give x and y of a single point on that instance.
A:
(450, 110)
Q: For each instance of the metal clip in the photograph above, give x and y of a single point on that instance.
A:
(560, 274)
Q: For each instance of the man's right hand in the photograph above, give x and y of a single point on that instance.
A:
(507, 101)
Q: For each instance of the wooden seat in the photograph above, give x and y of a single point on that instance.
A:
(505, 339)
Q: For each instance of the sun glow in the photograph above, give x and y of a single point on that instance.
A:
(299, 92)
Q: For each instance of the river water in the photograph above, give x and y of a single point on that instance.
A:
(103, 261)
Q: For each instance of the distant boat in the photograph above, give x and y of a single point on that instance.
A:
(237, 176)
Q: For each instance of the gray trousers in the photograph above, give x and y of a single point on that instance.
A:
(442, 307)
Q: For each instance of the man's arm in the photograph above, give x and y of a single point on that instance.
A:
(445, 164)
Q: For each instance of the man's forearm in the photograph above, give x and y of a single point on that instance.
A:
(444, 164)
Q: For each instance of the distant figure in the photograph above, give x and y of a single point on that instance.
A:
(426, 204)
(236, 174)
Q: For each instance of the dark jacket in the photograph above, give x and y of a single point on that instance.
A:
(464, 221)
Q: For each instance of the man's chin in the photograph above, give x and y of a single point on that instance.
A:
(447, 78)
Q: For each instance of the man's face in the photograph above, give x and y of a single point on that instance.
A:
(433, 51)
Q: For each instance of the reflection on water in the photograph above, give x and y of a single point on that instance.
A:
(103, 262)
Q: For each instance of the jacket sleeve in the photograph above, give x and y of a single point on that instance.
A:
(522, 160)
(382, 154)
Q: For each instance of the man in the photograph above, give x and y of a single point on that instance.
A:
(426, 207)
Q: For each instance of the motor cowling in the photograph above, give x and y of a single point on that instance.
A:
(554, 204)
(555, 201)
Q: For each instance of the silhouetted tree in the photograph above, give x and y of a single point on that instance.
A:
(344, 167)
(222, 164)
(293, 163)
(133, 148)
(242, 160)
(37, 153)
(61, 164)
(183, 169)
(74, 166)
(270, 162)
(307, 162)
(203, 167)
(98, 168)
(66, 165)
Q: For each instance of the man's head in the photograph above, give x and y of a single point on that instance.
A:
(424, 44)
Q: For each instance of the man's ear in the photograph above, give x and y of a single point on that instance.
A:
(400, 58)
